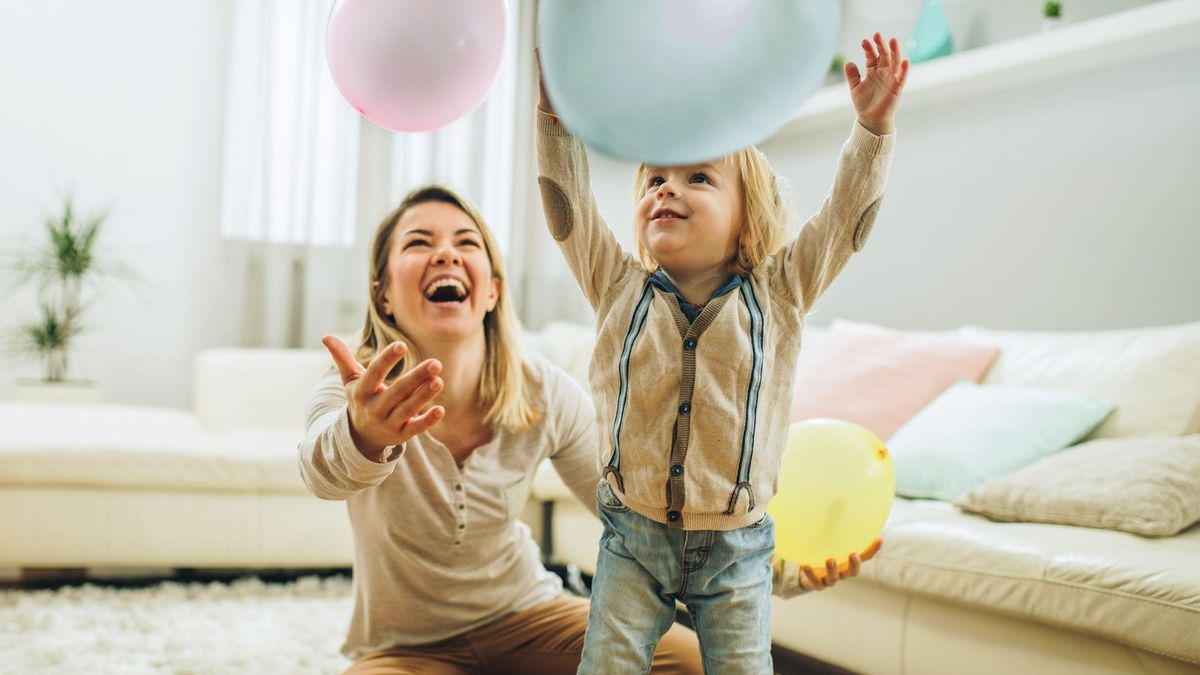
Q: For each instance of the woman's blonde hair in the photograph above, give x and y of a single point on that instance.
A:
(502, 386)
(764, 213)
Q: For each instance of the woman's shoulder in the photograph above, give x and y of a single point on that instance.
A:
(553, 388)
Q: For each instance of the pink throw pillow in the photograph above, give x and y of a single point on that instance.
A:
(880, 377)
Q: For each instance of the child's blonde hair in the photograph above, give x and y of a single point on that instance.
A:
(502, 386)
(763, 210)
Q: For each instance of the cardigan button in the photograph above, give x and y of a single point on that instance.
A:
(685, 408)
(673, 516)
(677, 470)
(689, 344)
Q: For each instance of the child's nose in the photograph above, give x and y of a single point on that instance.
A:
(667, 189)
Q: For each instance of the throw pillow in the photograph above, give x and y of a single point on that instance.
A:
(1148, 486)
(974, 433)
(879, 377)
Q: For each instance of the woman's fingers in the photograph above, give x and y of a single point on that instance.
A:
(347, 366)
(380, 366)
(418, 425)
(417, 400)
(406, 386)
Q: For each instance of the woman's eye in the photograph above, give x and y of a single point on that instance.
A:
(416, 242)
(700, 178)
(469, 242)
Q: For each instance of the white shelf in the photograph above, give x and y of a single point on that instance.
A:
(1135, 34)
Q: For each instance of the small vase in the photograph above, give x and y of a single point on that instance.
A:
(931, 38)
(1051, 23)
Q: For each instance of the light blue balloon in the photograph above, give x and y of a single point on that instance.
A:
(672, 82)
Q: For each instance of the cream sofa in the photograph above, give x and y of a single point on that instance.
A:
(122, 486)
(957, 593)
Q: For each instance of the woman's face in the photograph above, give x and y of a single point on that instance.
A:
(439, 279)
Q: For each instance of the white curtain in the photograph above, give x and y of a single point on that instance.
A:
(474, 156)
(306, 181)
(291, 143)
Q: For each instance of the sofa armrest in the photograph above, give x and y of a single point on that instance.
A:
(243, 388)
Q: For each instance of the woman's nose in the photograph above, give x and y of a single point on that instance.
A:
(446, 254)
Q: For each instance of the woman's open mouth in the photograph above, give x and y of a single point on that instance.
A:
(447, 289)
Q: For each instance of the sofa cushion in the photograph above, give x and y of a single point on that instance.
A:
(1152, 375)
(1129, 589)
(107, 446)
(878, 377)
(1148, 486)
(974, 433)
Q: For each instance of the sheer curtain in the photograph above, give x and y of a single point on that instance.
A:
(306, 181)
(290, 164)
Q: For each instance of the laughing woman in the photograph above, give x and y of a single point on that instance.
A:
(432, 432)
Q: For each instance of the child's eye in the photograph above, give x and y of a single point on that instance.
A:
(700, 178)
(655, 181)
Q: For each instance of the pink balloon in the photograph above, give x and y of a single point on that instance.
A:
(415, 65)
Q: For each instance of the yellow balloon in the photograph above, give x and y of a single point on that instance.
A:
(836, 486)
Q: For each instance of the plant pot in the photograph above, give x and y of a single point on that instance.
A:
(65, 391)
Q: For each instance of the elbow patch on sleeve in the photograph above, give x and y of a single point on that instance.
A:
(865, 222)
(559, 215)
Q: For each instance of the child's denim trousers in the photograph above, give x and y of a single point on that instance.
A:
(724, 579)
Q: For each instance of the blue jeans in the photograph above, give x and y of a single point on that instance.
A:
(724, 579)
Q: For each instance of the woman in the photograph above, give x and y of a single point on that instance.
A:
(447, 579)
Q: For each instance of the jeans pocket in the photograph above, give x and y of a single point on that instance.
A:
(607, 499)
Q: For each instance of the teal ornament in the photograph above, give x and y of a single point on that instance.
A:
(931, 38)
(672, 82)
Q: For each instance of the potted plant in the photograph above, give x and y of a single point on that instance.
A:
(64, 268)
(1051, 15)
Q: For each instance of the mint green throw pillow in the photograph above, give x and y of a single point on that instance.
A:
(972, 433)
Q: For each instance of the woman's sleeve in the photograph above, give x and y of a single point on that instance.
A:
(330, 464)
(577, 448)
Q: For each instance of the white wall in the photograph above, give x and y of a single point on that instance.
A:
(1061, 205)
(120, 105)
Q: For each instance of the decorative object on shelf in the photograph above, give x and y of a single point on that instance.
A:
(1051, 15)
(931, 38)
(63, 268)
(836, 73)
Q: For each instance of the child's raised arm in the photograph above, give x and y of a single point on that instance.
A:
(592, 251)
(840, 228)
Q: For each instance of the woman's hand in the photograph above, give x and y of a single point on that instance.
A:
(876, 96)
(383, 415)
(811, 581)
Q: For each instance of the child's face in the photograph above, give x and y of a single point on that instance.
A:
(690, 217)
(439, 282)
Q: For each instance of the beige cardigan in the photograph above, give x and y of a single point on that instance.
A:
(694, 415)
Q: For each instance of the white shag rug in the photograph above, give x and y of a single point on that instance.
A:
(243, 627)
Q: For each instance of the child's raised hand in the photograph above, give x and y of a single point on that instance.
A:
(876, 95)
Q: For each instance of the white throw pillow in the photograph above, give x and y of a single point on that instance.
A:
(1152, 375)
